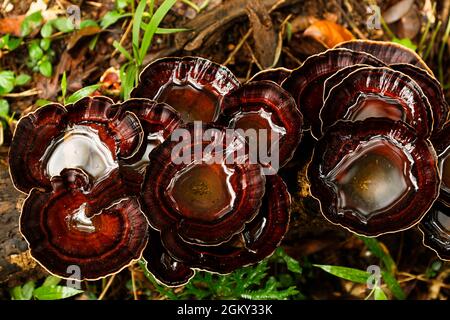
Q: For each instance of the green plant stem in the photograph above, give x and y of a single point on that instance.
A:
(441, 52)
(433, 39)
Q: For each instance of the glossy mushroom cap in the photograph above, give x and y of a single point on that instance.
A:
(158, 121)
(380, 93)
(265, 110)
(306, 83)
(193, 86)
(195, 186)
(386, 51)
(98, 228)
(436, 230)
(374, 176)
(258, 240)
(88, 135)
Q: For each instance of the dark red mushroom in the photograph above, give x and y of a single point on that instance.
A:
(97, 228)
(191, 183)
(337, 77)
(380, 93)
(374, 176)
(432, 90)
(259, 239)
(306, 83)
(265, 105)
(158, 121)
(436, 230)
(162, 266)
(89, 135)
(386, 51)
(277, 75)
(194, 86)
(441, 142)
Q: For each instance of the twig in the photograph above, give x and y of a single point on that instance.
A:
(238, 47)
(102, 295)
(27, 93)
(124, 36)
(349, 21)
(133, 283)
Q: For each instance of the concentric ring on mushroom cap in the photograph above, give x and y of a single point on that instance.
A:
(435, 227)
(432, 90)
(87, 135)
(441, 142)
(191, 85)
(305, 83)
(277, 75)
(265, 105)
(374, 176)
(208, 197)
(158, 120)
(162, 266)
(259, 239)
(64, 229)
(380, 93)
(386, 51)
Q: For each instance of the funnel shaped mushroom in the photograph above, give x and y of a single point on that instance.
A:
(378, 93)
(277, 75)
(88, 135)
(270, 113)
(193, 86)
(374, 176)
(192, 184)
(99, 229)
(258, 240)
(306, 83)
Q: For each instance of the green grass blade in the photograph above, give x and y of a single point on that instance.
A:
(153, 26)
(122, 50)
(84, 92)
(355, 275)
(137, 20)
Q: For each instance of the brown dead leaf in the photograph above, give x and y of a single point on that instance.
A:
(328, 33)
(11, 25)
(85, 32)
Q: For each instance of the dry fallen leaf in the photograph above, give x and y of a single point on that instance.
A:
(328, 33)
(11, 25)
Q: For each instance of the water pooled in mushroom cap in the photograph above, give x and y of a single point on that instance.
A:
(372, 179)
(79, 147)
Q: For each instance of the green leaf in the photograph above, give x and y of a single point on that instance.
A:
(292, 264)
(405, 42)
(16, 292)
(112, 17)
(22, 79)
(380, 252)
(45, 44)
(379, 294)
(4, 108)
(4, 41)
(121, 4)
(137, 20)
(30, 23)
(46, 69)
(130, 76)
(6, 81)
(55, 292)
(13, 43)
(35, 52)
(64, 86)
(82, 93)
(122, 50)
(47, 29)
(42, 102)
(393, 285)
(153, 26)
(27, 290)
(88, 23)
(270, 292)
(51, 281)
(63, 25)
(355, 275)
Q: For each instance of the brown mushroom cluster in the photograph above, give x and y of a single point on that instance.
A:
(109, 183)
(106, 186)
(381, 120)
